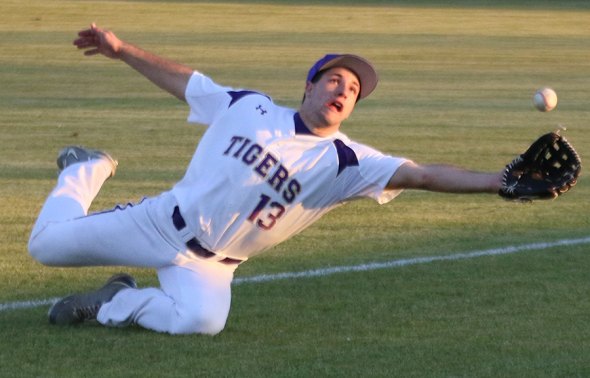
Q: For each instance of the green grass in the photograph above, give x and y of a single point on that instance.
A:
(457, 79)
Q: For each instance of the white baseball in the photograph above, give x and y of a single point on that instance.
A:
(545, 99)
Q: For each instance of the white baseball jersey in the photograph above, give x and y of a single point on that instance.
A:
(259, 176)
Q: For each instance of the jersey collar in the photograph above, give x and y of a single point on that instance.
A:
(300, 128)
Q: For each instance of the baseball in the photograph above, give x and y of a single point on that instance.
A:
(545, 99)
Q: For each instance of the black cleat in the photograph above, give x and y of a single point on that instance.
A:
(76, 154)
(77, 308)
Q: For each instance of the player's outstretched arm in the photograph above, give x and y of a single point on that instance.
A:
(444, 178)
(166, 74)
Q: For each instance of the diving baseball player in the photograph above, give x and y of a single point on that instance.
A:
(260, 174)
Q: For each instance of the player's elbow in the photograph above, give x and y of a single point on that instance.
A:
(411, 176)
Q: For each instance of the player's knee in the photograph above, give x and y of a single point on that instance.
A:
(201, 323)
(39, 249)
(35, 248)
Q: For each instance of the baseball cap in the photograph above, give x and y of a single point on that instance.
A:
(360, 66)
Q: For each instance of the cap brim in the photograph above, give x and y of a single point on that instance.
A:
(360, 67)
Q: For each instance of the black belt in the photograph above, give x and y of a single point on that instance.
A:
(193, 244)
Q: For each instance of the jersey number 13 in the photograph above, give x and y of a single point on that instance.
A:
(269, 218)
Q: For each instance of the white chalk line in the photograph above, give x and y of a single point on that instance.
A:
(354, 268)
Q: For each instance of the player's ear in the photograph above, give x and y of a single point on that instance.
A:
(308, 86)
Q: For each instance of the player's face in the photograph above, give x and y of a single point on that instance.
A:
(331, 99)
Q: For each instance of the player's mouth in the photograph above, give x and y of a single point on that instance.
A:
(336, 106)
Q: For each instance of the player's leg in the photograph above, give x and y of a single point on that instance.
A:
(127, 236)
(76, 188)
(192, 299)
(64, 236)
(82, 174)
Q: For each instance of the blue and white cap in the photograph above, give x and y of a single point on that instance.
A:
(359, 66)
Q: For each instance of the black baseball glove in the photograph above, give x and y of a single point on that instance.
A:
(548, 168)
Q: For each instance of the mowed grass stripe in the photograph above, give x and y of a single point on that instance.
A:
(322, 272)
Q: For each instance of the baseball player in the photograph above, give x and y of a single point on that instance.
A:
(260, 174)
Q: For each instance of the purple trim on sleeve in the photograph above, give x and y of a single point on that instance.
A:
(346, 156)
(237, 95)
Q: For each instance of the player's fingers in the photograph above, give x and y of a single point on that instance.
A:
(86, 46)
(90, 33)
(82, 42)
(91, 52)
(85, 32)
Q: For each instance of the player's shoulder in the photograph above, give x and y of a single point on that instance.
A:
(237, 95)
(201, 85)
(361, 150)
(343, 140)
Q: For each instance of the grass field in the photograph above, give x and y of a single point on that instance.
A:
(457, 79)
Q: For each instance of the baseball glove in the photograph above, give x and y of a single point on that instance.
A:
(549, 168)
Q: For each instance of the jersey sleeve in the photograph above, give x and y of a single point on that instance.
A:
(205, 98)
(375, 169)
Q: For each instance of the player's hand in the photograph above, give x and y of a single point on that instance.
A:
(98, 41)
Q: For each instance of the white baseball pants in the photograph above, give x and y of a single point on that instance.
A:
(195, 293)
